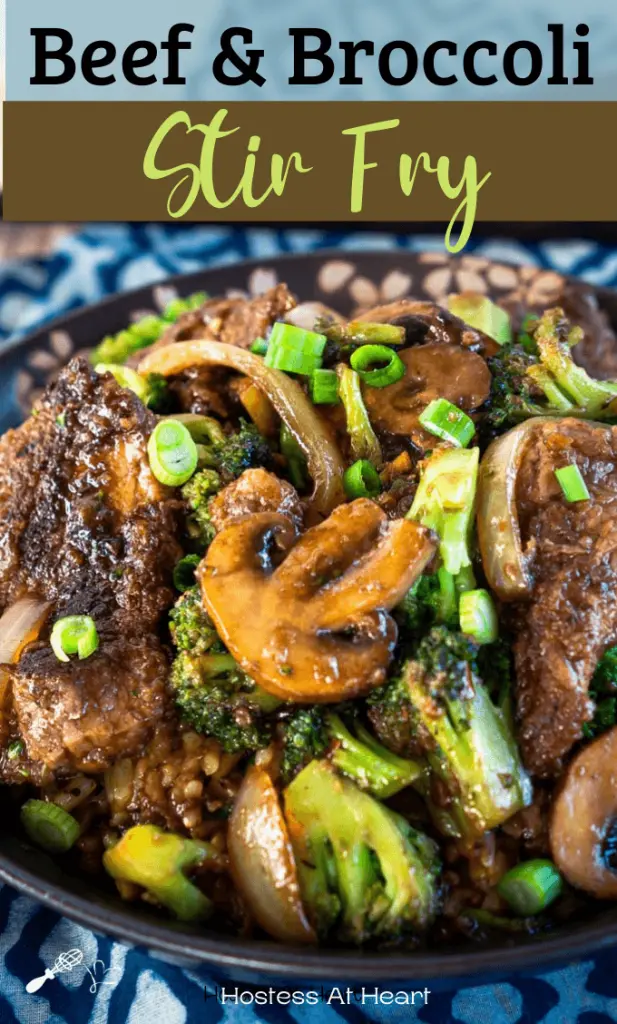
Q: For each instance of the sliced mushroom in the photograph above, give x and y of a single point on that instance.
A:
(255, 491)
(584, 815)
(309, 621)
(425, 322)
(433, 371)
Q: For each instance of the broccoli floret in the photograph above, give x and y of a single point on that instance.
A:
(445, 710)
(537, 376)
(191, 627)
(431, 599)
(118, 347)
(219, 700)
(514, 395)
(303, 737)
(370, 765)
(364, 872)
(444, 502)
(198, 493)
(568, 387)
(603, 691)
(242, 450)
(158, 861)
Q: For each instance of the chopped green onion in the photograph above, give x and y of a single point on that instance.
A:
(324, 387)
(530, 887)
(172, 453)
(572, 484)
(49, 826)
(126, 378)
(75, 634)
(296, 459)
(448, 422)
(478, 616)
(362, 480)
(184, 572)
(294, 350)
(480, 313)
(259, 347)
(364, 441)
(15, 750)
(392, 367)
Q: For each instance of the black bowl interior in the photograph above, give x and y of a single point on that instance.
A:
(25, 364)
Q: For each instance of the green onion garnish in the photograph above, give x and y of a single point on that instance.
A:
(448, 422)
(388, 367)
(75, 634)
(126, 378)
(184, 572)
(294, 350)
(572, 484)
(478, 616)
(259, 347)
(172, 453)
(49, 826)
(324, 387)
(362, 480)
(530, 887)
(177, 307)
(15, 750)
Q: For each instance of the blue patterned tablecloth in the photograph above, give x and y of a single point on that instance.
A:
(138, 988)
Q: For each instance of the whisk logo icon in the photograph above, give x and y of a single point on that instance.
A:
(65, 962)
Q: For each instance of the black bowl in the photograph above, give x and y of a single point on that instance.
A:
(343, 280)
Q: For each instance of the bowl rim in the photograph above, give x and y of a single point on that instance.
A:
(269, 957)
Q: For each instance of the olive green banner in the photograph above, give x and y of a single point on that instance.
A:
(306, 162)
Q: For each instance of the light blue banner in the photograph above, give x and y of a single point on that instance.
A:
(503, 22)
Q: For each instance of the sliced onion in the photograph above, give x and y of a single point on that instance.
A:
(262, 862)
(20, 624)
(499, 533)
(324, 459)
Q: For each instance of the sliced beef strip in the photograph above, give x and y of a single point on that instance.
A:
(87, 527)
(425, 323)
(235, 321)
(255, 491)
(572, 618)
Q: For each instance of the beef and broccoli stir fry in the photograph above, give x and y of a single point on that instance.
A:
(309, 625)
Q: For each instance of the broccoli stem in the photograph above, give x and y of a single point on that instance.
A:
(364, 443)
(474, 752)
(445, 500)
(157, 860)
(367, 763)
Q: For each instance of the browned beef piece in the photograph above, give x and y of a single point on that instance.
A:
(597, 351)
(572, 618)
(235, 321)
(255, 491)
(85, 525)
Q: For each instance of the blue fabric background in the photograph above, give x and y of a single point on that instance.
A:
(141, 989)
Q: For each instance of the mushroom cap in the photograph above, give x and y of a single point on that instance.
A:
(308, 620)
(433, 371)
(425, 322)
(583, 813)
